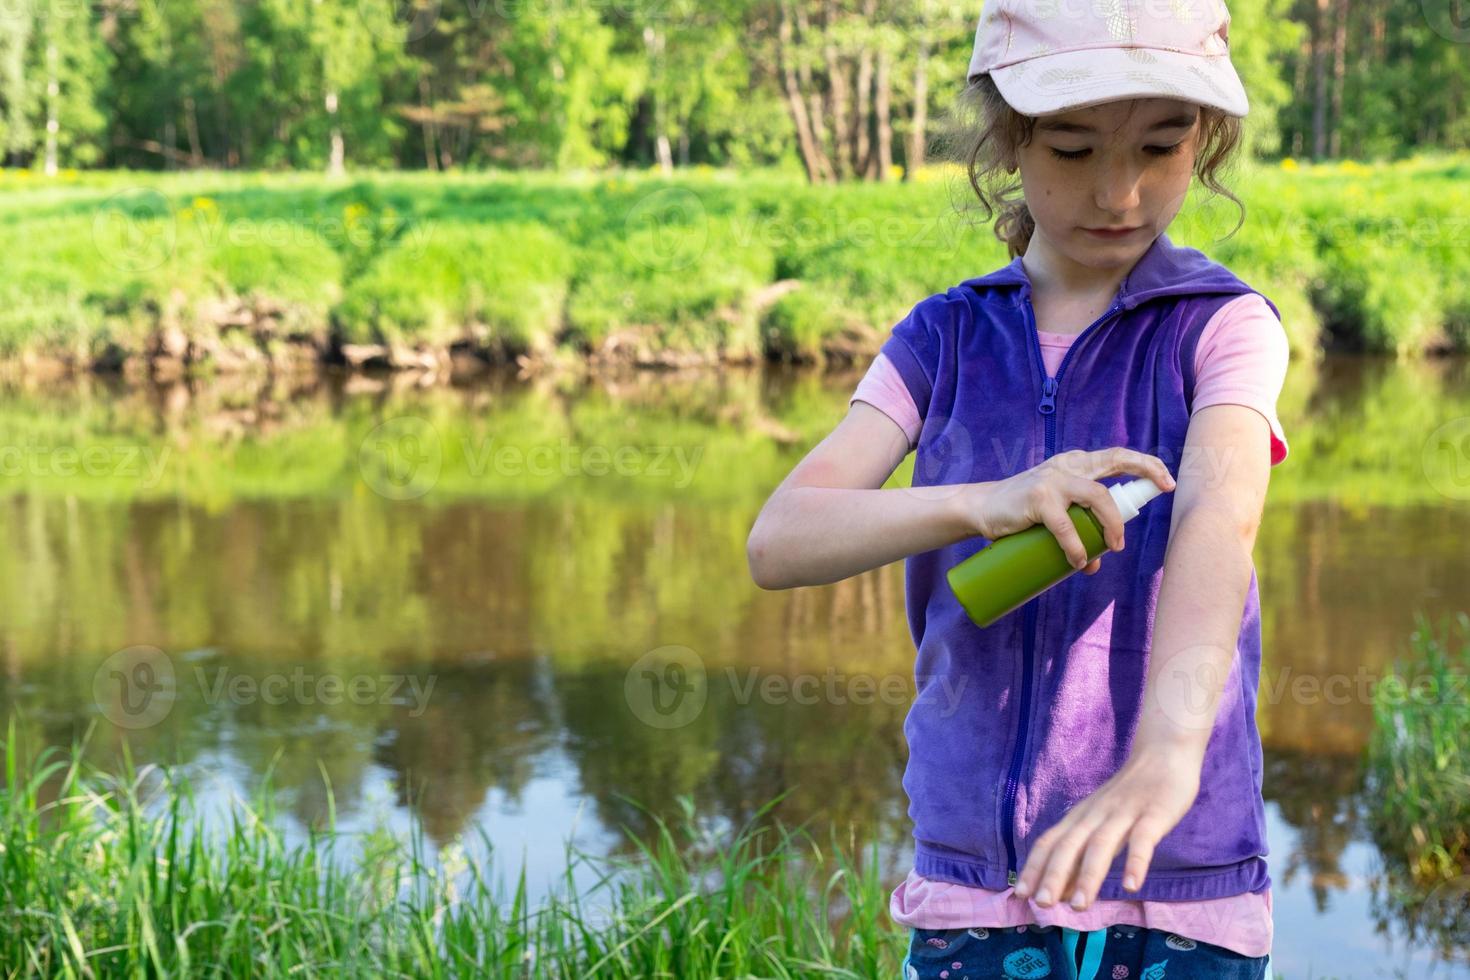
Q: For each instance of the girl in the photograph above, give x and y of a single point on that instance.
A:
(1084, 775)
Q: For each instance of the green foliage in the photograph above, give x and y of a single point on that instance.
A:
(118, 875)
(795, 326)
(448, 87)
(1419, 754)
(1367, 257)
(674, 266)
(448, 277)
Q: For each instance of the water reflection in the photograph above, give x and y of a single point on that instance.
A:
(490, 620)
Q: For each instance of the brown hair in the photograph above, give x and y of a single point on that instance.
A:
(983, 132)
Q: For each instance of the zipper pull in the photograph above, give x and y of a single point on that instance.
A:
(1048, 397)
(1010, 878)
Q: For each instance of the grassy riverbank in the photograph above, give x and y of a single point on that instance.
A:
(1419, 756)
(124, 872)
(132, 270)
(116, 877)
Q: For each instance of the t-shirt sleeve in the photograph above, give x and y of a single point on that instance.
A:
(1241, 359)
(883, 388)
(908, 361)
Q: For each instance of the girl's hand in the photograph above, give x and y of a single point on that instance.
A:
(1142, 802)
(1042, 494)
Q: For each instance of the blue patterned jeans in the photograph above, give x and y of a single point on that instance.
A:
(1057, 953)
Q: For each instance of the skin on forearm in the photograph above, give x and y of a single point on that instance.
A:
(1207, 570)
(819, 535)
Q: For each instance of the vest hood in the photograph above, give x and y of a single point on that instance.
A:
(1165, 269)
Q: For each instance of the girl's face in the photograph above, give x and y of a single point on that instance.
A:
(1102, 167)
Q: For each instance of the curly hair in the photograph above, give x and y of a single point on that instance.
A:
(982, 132)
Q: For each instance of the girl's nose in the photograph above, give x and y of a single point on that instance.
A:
(1117, 190)
(1118, 200)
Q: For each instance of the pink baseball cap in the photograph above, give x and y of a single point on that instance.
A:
(1055, 55)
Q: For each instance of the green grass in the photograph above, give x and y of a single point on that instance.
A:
(1368, 257)
(99, 880)
(1419, 754)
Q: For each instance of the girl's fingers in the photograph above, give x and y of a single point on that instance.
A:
(1098, 858)
(1058, 870)
(1096, 498)
(1062, 861)
(1036, 861)
(1041, 849)
(1141, 840)
(1057, 519)
(1121, 459)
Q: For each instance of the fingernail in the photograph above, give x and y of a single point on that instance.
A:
(1130, 882)
(1079, 899)
(1022, 890)
(1043, 897)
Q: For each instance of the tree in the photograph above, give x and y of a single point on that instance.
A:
(52, 67)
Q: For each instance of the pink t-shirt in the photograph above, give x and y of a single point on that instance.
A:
(1241, 359)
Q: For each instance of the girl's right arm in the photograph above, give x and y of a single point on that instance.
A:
(830, 519)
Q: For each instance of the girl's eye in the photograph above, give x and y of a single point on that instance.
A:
(1158, 151)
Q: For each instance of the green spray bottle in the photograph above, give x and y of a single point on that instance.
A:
(1015, 568)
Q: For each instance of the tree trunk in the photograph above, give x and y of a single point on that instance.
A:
(814, 98)
(1299, 91)
(862, 123)
(336, 154)
(1380, 33)
(653, 43)
(431, 153)
(1319, 95)
(191, 130)
(884, 156)
(1339, 73)
(818, 170)
(920, 120)
(837, 85)
(53, 94)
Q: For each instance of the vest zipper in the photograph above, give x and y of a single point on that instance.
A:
(1048, 409)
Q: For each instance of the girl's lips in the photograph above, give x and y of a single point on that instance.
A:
(1110, 234)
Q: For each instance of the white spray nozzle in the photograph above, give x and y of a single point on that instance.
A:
(1131, 496)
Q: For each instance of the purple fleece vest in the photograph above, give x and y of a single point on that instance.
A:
(1016, 723)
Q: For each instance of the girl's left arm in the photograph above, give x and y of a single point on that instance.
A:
(1218, 501)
